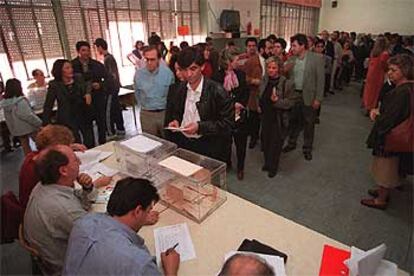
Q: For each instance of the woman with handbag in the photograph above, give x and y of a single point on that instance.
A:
(392, 133)
(275, 94)
(234, 82)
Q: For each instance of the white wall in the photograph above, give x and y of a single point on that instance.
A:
(368, 16)
(249, 12)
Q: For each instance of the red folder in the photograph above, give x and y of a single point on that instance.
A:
(332, 263)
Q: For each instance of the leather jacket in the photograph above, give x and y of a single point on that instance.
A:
(215, 108)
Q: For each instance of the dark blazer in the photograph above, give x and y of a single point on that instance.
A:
(97, 73)
(329, 49)
(215, 108)
(395, 108)
(70, 106)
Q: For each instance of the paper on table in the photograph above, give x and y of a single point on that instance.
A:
(166, 237)
(275, 262)
(92, 156)
(141, 143)
(180, 166)
(99, 168)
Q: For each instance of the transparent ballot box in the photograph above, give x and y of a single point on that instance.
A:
(195, 185)
(135, 155)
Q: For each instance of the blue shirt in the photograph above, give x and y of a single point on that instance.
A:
(100, 245)
(151, 88)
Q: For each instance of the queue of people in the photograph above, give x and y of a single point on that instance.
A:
(210, 100)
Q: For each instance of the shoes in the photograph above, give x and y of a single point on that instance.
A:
(272, 174)
(120, 132)
(252, 144)
(240, 175)
(331, 92)
(372, 203)
(264, 168)
(288, 148)
(111, 137)
(373, 192)
(308, 156)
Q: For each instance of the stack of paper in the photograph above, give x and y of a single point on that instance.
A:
(141, 143)
(180, 166)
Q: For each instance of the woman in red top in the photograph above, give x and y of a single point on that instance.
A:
(49, 135)
(376, 72)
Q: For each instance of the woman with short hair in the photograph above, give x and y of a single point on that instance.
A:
(276, 99)
(396, 107)
(73, 103)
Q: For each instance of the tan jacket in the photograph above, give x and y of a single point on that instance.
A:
(253, 70)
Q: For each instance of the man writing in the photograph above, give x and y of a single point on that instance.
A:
(108, 244)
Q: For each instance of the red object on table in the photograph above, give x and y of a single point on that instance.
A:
(332, 263)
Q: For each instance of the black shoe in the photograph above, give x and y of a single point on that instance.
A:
(271, 174)
(331, 92)
(308, 156)
(288, 148)
(252, 144)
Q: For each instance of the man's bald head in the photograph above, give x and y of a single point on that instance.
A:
(244, 264)
(57, 164)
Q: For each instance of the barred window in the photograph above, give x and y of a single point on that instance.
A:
(35, 33)
(285, 20)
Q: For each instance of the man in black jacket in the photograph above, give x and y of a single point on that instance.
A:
(200, 109)
(97, 79)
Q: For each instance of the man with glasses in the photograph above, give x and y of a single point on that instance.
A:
(151, 89)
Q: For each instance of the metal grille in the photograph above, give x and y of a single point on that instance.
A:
(286, 20)
(31, 28)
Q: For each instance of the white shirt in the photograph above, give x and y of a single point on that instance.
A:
(263, 64)
(190, 111)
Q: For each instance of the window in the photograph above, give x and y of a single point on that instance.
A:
(34, 33)
(286, 20)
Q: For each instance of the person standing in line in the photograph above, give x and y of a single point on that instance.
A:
(73, 103)
(98, 84)
(308, 74)
(276, 99)
(20, 118)
(113, 107)
(254, 69)
(234, 83)
(151, 90)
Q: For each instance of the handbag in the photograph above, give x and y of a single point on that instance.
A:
(401, 137)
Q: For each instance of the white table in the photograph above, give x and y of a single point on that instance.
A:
(230, 224)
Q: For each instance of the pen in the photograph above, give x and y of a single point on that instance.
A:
(172, 248)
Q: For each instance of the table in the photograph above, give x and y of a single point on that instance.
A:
(234, 221)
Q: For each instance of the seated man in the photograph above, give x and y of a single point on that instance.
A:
(108, 244)
(241, 264)
(201, 108)
(54, 205)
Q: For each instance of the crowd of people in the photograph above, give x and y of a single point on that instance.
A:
(203, 99)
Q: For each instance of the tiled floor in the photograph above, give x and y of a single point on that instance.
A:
(322, 194)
